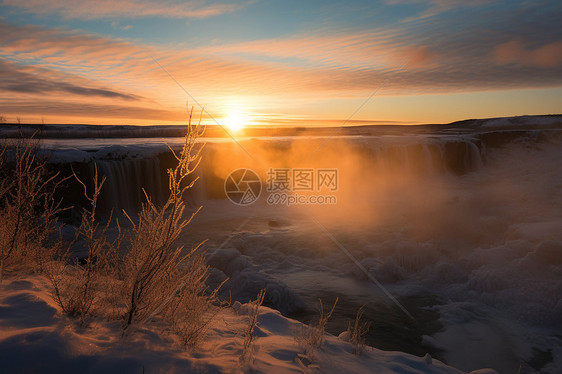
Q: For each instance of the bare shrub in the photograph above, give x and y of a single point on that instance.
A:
(158, 276)
(28, 210)
(248, 345)
(154, 278)
(357, 332)
(77, 287)
(192, 309)
(312, 337)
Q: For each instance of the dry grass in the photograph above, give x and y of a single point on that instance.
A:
(248, 344)
(311, 337)
(357, 332)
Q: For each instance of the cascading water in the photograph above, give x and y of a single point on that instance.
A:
(125, 181)
(128, 173)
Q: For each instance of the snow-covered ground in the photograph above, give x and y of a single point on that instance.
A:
(36, 338)
(521, 122)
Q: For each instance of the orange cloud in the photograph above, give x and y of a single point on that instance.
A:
(437, 7)
(417, 57)
(549, 55)
(514, 52)
(374, 49)
(300, 69)
(509, 52)
(71, 108)
(15, 78)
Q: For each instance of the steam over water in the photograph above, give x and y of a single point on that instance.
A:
(463, 228)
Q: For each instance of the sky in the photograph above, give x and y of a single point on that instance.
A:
(267, 62)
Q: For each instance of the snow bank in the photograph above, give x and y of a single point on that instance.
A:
(521, 122)
(35, 337)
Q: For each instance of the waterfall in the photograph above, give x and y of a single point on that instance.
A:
(475, 157)
(125, 181)
(456, 157)
(127, 176)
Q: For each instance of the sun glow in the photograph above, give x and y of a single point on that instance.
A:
(235, 120)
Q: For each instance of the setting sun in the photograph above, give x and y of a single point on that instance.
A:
(235, 120)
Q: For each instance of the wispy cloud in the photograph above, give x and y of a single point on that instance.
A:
(342, 63)
(346, 61)
(28, 41)
(117, 26)
(112, 9)
(485, 53)
(346, 51)
(433, 8)
(58, 108)
(39, 81)
(515, 52)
